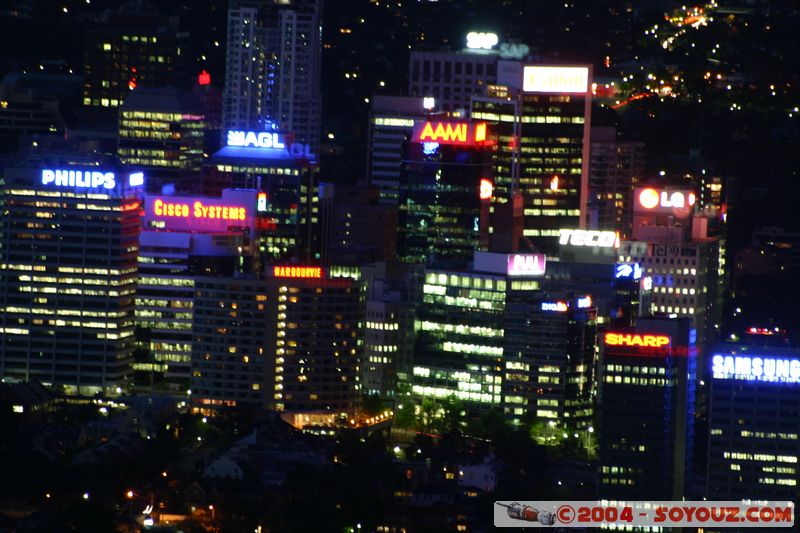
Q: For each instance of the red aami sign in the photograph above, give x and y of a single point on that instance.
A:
(297, 272)
(458, 133)
(637, 340)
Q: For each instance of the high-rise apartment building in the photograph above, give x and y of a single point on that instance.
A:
(451, 78)
(273, 68)
(541, 115)
(615, 167)
(646, 422)
(290, 342)
(68, 277)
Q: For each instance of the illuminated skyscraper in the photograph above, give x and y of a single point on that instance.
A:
(444, 192)
(273, 68)
(68, 277)
(184, 238)
(161, 132)
(541, 115)
(754, 431)
(647, 409)
(391, 124)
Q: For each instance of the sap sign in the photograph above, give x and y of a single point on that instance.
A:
(263, 139)
(526, 265)
(88, 179)
(628, 271)
(582, 237)
(746, 368)
(484, 41)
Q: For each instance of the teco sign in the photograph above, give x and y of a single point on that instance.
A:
(555, 79)
(679, 202)
(526, 265)
(582, 237)
(458, 133)
(82, 179)
(779, 370)
(632, 339)
(297, 272)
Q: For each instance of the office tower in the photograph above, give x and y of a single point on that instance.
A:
(355, 228)
(451, 78)
(753, 445)
(391, 124)
(291, 342)
(25, 112)
(646, 410)
(68, 276)
(445, 192)
(272, 77)
(682, 256)
(285, 172)
(127, 51)
(184, 238)
(495, 337)
(615, 167)
(161, 132)
(541, 115)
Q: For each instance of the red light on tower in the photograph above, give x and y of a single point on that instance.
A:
(487, 189)
(204, 78)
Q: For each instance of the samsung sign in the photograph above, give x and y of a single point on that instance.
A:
(746, 368)
(82, 179)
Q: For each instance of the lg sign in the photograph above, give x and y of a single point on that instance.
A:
(580, 237)
(652, 199)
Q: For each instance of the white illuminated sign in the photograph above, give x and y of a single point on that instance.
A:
(584, 302)
(651, 198)
(526, 265)
(559, 307)
(268, 141)
(483, 41)
(746, 368)
(537, 79)
(262, 139)
(592, 238)
(86, 179)
(628, 271)
(136, 179)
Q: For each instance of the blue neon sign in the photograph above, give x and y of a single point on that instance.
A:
(82, 179)
(628, 271)
(756, 368)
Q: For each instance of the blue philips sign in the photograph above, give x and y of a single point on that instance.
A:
(82, 179)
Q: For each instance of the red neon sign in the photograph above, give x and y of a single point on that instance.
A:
(487, 189)
(297, 272)
(198, 210)
(204, 78)
(633, 339)
(457, 133)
